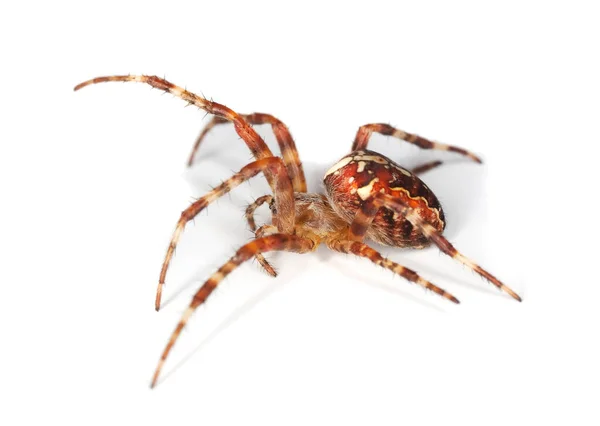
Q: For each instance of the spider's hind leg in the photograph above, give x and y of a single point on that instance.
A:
(363, 136)
(371, 206)
(426, 167)
(363, 250)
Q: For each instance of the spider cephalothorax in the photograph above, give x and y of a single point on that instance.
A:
(367, 196)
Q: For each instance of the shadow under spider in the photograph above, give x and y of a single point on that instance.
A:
(271, 287)
(458, 188)
(234, 316)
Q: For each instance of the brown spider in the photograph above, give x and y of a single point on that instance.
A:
(367, 195)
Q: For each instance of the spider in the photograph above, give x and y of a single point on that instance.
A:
(367, 195)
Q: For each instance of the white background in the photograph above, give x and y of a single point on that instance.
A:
(94, 181)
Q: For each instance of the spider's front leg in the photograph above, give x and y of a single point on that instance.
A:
(283, 217)
(274, 168)
(371, 206)
(255, 143)
(274, 242)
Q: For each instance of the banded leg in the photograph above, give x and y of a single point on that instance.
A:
(250, 218)
(426, 167)
(275, 242)
(252, 208)
(371, 206)
(212, 123)
(283, 217)
(364, 135)
(363, 250)
(257, 146)
(288, 149)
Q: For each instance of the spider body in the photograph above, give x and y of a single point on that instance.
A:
(368, 196)
(360, 175)
(316, 219)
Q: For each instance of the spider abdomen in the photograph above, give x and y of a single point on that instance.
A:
(359, 175)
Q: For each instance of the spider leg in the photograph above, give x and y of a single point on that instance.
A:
(264, 231)
(275, 242)
(364, 134)
(363, 250)
(371, 206)
(426, 167)
(252, 208)
(288, 149)
(283, 217)
(250, 218)
(255, 143)
(260, 150)
(212, 123)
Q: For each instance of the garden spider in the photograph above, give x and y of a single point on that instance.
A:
(367, 196)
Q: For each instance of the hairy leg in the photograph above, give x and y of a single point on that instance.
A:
(255, 143)
(212, 123)
(264, 231)
(363, 250)
(283, 218)
(364, 134)
(371, 206)
(252, 208)
(275, 242)
(257, 146)
(250, 218)
(288, 149)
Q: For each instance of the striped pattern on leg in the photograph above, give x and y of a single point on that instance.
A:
(286, 143)
(364, 135)
(250, 218)
(252, 208)
(363, 250)
(212, 123)
(363, 219)
(384, 200)
(261, 232)
(284, 217)
(257, 146)
(276, 242)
